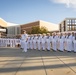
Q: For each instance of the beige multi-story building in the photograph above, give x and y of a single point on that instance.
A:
(3, 27)
(13, 30)
(68, 24)
(50, 26)
(8, 29)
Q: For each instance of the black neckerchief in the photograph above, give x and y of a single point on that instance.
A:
(65, 36)
(42, 36)
(60, 37)
(53, 36)
(47, 37)
(68, 36)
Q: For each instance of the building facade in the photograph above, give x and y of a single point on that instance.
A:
(50, 26)
(8, 29)
(13, 31)
(3, 28)
(68, 24)
(28, 26)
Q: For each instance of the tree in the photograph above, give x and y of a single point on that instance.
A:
(37, 30)
(43, 30)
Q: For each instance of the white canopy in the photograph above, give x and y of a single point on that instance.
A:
(3, 30)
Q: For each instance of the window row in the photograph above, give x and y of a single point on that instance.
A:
(71, 21)
(71, 28)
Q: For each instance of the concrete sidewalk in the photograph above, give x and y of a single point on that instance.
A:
(15, 62)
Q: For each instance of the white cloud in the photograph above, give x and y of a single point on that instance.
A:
(68, 3)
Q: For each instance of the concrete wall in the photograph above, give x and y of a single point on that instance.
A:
(13, 30)
(3, 23)
(49, 26)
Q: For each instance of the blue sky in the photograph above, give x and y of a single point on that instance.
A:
(25, 11)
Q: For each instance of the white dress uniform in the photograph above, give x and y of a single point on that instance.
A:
(24, 41)
(18, 42)
(65, 42)
(8, 42)
(54, 43)
(35, 42)
(69, 43)
(39, 42)
(62, 38)
(43, 42)
(28, 43)
(2, 42)
(74, 42)
(58, 42)
(5, 42)
(51, 42)
(31, 42)
(14, 42)
(11, 42)
(48, 43)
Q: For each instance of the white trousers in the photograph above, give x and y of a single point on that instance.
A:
(61, 45)
(69, 45)
(48, 45)
(21, 44)
(54, 47)
(31, 45)
(43, 45)
(35, 44)
(75, 46)
(28, 45)
(39, 45)
(24, 46)
(65, 44)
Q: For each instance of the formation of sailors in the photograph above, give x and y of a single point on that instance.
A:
(57, 42)
(9, 42)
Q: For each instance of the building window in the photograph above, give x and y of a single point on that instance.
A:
(68, 22)
(72, 21)
(64, 26)
(68, 28)
(71, 25)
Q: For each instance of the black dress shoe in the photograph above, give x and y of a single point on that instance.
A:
(48, 50)
(74, 52)
(68, 51)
